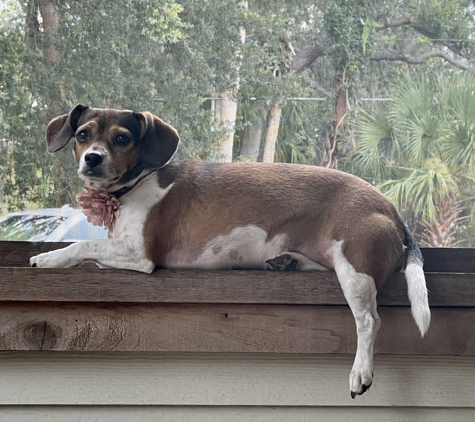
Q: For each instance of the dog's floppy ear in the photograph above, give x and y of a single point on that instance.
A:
(61, 129)
(158, 140)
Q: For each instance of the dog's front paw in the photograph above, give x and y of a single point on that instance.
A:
(60, 258)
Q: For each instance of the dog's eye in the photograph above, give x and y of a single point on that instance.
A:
(122, 140)
(82, 136)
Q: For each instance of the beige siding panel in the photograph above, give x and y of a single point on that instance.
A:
(46, 378)
(232, 414)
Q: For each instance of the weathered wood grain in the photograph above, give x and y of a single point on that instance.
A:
(461, 260)
(17, 254)
(226, 328)
(90, 284)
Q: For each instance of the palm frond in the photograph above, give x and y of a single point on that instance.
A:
(424, 190)
(377, 147)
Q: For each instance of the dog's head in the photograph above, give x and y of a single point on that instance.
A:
(113, 146)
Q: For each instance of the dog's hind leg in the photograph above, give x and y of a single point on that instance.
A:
(360, 292)
(293, 261)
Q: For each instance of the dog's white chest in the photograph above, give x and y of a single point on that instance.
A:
(245, 247)
(135, 207)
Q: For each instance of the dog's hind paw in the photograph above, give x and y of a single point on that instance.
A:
(282, 263)
(360, 382)
(293, 261)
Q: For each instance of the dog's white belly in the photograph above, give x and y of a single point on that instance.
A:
(245, 247)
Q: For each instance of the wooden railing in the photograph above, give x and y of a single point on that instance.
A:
(88, 309)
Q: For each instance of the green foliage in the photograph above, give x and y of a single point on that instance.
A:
(165, 24)
(421, 149)
(350, 26)
(424, 189)
(369, 29)
(297, 137)
(444, 20)
(14, 100)
(378, 147)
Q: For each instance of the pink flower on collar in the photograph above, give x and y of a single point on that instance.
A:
(100, 207)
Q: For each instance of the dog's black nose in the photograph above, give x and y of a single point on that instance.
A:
(93, 159)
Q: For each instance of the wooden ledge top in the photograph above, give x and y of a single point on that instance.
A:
(19, 282)
(90, 284)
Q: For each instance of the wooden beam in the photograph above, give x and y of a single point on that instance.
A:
(456, 260)
(225, 328)
(90, 284)
(459, 260)
(17, 254)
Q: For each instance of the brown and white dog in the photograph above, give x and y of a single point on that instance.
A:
(240, 215)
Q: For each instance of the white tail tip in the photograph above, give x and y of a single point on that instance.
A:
(417, 292)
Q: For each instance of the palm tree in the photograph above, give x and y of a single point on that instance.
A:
(421, 153)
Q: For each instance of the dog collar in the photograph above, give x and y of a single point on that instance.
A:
(126, 189)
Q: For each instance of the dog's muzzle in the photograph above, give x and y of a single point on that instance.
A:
(93, 159)
(93, 166)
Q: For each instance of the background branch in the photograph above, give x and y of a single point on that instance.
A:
(305, 57)
(398, 55)
(395, 22)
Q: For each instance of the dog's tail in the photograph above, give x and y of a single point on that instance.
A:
(416, 283)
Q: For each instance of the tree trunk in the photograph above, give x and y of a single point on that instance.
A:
(226, 110)
(272, 132)
(330, 159)
(440, 233)
(226, 107)
(251, 142)
(50, 16)
(32, 26)
(297, 64)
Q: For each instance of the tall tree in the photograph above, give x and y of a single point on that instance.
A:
(273, 124)
(227, 103)
(255, 116)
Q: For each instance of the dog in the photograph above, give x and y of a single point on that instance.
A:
(194, 214)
